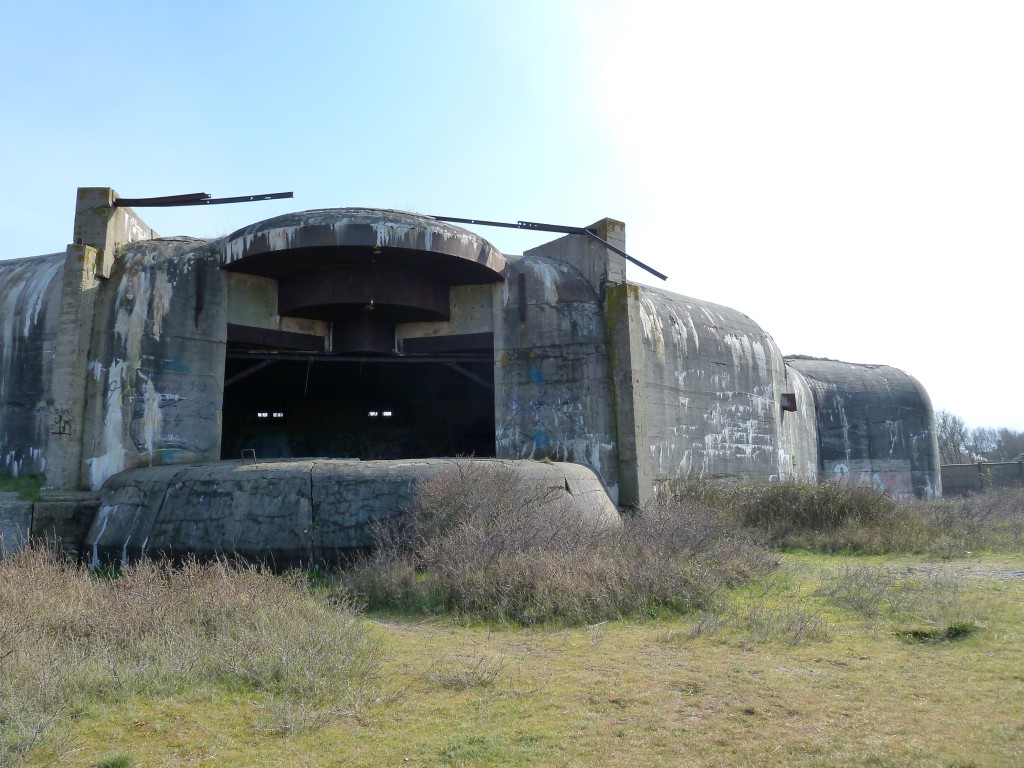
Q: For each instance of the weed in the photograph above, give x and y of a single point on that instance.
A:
(958, 630)
(115, 760)
(920, 606)
(830, 517)
(480, 671)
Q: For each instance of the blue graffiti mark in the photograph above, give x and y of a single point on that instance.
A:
(535, 373)
(174, 365)
(540, 440)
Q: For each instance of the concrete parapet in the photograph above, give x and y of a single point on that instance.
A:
(600, 266)
(287, 512)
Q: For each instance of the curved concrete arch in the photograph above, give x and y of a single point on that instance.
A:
(714, 382)
(467, 257)
(875, 426)
(29, 324)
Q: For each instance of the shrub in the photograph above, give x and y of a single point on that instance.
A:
(831, 517)
(481, 541)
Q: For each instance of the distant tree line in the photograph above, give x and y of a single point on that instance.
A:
(960, 445)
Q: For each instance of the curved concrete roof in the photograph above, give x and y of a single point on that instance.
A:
(882, 380)
(467, 256)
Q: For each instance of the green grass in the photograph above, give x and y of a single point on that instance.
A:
(627, 693)
(28, 487)
(875, 634)
(116, 760)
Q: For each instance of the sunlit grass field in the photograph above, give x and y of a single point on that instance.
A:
(776, 673)
(847, 632)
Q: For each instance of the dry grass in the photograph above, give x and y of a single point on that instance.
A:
(71, 639)
(725, 659)
(633, 693)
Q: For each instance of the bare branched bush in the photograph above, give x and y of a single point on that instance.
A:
(993, 520)
(478, 671)
(70, 636)
(484, 541)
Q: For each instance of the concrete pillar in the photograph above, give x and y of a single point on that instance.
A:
(625, 335)
(599, 265)
(100, 229)
(78, 298)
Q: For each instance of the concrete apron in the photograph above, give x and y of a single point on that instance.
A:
(297, 511)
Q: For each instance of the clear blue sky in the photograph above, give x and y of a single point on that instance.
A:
(850, 175)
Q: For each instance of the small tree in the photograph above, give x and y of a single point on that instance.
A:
(954, 439)
(1011, 444)
(985, 444)
(960, 445)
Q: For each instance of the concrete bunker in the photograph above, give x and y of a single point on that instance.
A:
(376, 371)
(295, 336)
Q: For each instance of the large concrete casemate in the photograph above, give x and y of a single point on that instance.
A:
(375, 335)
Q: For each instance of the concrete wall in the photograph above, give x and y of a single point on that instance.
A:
(875, 426)
(708, 396)
(30, 292)
(471, 310)
(252, 301)
(553, 398)
(59, 518)
(156, 364)
(964, 479)
(113, 355)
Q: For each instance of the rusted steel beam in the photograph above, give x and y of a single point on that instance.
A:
(538, 227)
(194, 198)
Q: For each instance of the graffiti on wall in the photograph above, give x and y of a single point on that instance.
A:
(893, 476)
(173, 414)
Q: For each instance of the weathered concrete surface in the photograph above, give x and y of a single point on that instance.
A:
(628, 387)
(30, 292)
(875, 426)
(112, 357)
(62, 519)
(15, 523)
(599, 266)
(706, 383)
(252, 302)
(470, 310)
(552, 378)
(101, 231)
(321, 232)
(131, 503)
(965, 479)
(156, 365)
(288, 511)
